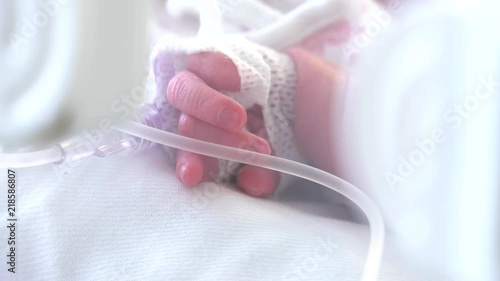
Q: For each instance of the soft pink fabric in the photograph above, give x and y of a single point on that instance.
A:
(335, 34)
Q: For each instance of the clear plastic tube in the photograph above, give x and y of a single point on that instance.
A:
(30, 159)
(56, 154)
(377, 234)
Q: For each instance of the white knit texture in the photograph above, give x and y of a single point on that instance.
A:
(126, 217)
(267, 79)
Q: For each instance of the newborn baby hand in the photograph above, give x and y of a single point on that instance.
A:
(236, 93)
(209, 115)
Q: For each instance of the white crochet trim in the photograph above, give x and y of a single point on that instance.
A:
(279, 112)
(267, 78)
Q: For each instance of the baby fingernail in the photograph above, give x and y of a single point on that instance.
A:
(229, 118)
(181, 172)
(257, 191)
(259, 146)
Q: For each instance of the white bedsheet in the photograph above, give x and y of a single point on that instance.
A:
(127, 218)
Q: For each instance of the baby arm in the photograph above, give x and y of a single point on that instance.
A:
(318, 102)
